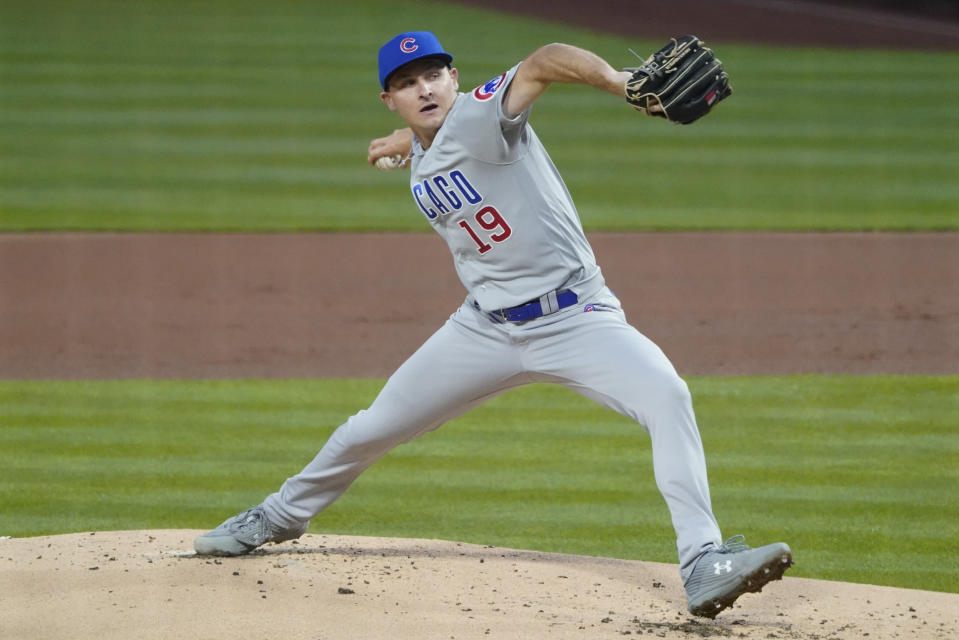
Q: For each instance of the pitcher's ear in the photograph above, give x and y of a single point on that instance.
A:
(387, 99)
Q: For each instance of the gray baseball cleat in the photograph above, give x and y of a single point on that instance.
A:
(243, 533)
(724, 573)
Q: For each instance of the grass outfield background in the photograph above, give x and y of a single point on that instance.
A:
(857, 473)
(221, 115)
(225, 115)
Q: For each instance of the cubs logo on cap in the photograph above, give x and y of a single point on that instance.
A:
(407, 47)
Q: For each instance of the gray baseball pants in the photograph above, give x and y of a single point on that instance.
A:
(473, 358)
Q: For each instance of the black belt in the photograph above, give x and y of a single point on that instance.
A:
(545, 305)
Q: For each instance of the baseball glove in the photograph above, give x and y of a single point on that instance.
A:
(684, 77)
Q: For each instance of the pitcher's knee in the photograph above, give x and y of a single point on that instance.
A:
(671, 390)
(371, 434)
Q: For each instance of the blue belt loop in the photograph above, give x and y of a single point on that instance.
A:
(545, 305)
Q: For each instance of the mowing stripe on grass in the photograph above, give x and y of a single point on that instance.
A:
(858, 474)
(219, 115)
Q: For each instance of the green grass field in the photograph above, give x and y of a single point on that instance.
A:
(857, 473)
(224, 115)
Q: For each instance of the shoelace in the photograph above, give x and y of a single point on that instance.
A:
(733, 545)
(248, 517)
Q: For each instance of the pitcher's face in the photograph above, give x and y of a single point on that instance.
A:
(422, 93)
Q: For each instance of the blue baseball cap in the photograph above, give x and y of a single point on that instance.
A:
(407, 47)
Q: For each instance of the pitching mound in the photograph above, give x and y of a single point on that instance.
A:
(149, 584)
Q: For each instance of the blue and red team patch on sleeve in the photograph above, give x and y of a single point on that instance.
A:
(486, 91)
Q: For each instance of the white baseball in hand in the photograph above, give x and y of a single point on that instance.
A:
(388, 163)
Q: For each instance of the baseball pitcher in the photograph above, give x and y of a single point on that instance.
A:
(537, 307)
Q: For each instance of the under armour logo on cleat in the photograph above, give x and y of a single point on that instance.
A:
(720, 566)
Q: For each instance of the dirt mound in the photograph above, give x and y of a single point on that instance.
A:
(149, 584)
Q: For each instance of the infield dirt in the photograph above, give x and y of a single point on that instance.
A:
(356, 305)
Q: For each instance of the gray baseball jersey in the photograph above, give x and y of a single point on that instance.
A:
(489, 188)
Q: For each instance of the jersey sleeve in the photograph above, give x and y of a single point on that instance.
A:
(484, 128)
